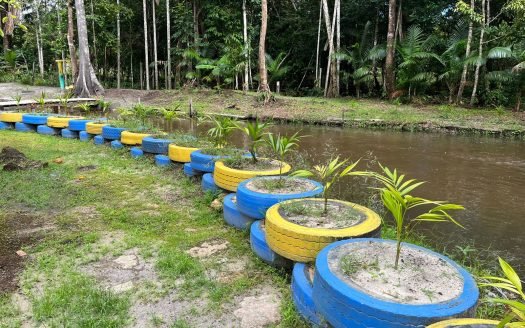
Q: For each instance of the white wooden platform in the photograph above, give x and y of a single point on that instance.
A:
(28, 102)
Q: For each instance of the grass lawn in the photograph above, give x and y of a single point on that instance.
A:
(109, 246)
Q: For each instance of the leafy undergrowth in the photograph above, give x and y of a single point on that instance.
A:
(102, 204)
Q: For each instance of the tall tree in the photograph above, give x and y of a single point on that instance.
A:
(87, 84)
(155, 55)
(71, 39)
(480, 52)
(118, 44)
(331, 89)
(146, 49)
(390, 77)
(263, 73)
(168, 41)
(246, 82)
(463, 81)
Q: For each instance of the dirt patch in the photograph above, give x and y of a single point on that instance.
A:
(18, 231)
(259, 310)
(273, 185)
(229, 269)
(422, 278)
(247, 164)
(13, 160)
(308, 213)
(208, 248)
(86, 168)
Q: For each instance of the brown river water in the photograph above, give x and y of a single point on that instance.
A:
(485, 174)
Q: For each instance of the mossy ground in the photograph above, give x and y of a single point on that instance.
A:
(101, 203)
(96, 205)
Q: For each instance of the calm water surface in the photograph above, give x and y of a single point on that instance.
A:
(486, 175)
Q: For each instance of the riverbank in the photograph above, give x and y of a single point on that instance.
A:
(350, 112)
(141, 244)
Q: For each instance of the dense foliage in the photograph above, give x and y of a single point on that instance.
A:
(207, 46)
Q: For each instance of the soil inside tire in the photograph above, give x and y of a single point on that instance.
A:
(278, 186)
(421, 278)
(247, 164)
(310, 214)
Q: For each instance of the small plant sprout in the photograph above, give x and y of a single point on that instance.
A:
(85, 107)
(331, 173)
(512, 283)
(282, 146)
(142, 113)
(41, 101)
(64, 101)
(170, 114)
(17, 98)
(396, 199)
(105, 107)
(255, 132)
(125, 114)
(221, 130)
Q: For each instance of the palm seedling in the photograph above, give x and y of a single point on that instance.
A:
(142, 113)
(41, 101)
(64, 101)
(85, 107)
(105, 107)
(222, 128)
(396, 199)
(331, 173)
(170, 114)
(255, 132)
(512, 283)
(282, 146)
(17, 98)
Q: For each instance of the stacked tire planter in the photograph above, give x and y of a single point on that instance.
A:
(467, 323)
(203, 162)
(60, 122)
(302, 244)
(109, 132)
(208, 184)
(302, 294)
(11, 117)
(180, 154)
(229, 178)
(78, 125)
(262, 250)
(130, 138)
(155, 145)
(95, 128)
(233, 216)
(345, 304)
(23, 127)
(35, 119)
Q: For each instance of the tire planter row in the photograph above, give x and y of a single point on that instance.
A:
(154, 145)
(255, 204)
(180, 154)
(132, 138)
(262, 250)
(302, 244)
(232, 215)
(344, 305)
(10, 117)
(229, 179)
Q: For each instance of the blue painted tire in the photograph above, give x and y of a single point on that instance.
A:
(155, 146)
(111, 132)
(202, 162)
(78, 125)
(189, 171)
(47, 130)
(99, 140)
(208, 184)
(136, 152)
(6, 126)
(115, 144)
(302, 289)
(68, 134)
(233, 217)
(23, 127)
(84, 136)
(255, 204)
(263, 251)
(36, 119)
(343, 305)
(162, 161)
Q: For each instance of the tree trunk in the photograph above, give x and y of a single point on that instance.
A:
(263, 73)
(95, 53)
(331, 72)
(390, 78)
(245, 84)
(39, 41)
(146, 48)
(118, 45)
(463, 81)
(168, 41)
(71, 40)
(338, 46)
(317, 77)
(155, 58)
(480, 54)
(87, 84)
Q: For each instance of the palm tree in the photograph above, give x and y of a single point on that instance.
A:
(87, 83)
(415, 51)
(276, 70)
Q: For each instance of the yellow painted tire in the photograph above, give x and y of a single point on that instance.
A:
(229, 179)
(462, 322)
(94, 128)
(132, 138)
(61, 122)
(11, 117)
(180, 154)
(302, 244)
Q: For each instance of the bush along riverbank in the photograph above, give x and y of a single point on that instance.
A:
(348, 268)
